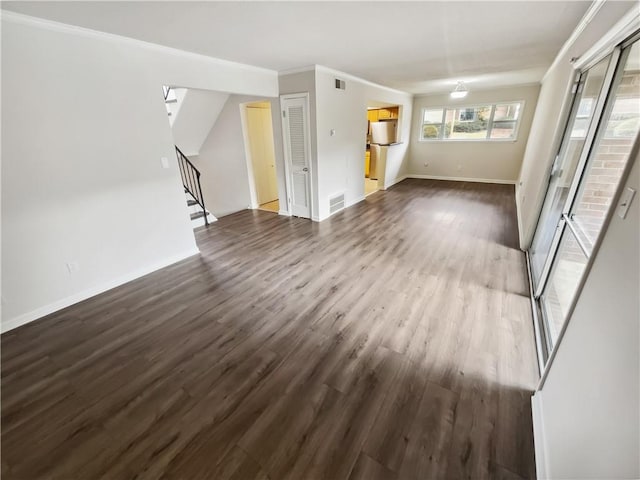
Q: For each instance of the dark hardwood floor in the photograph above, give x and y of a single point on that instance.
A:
(392, 341)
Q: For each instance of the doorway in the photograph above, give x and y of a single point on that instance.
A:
(382, 131)
(261, 156)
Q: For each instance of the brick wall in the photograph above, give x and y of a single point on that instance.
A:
(601, 183)
(611, 157)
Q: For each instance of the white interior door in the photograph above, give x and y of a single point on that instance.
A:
(295, 127)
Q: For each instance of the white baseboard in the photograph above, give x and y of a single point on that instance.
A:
(462, 179)
(538, 437)
(284, 213)
(519, 217)
(397, 180)
(357, 200)
(91, 292)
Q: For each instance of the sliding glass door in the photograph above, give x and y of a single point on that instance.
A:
(587, 92)
(576, 209)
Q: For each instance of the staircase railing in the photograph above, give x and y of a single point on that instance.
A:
(191, 181)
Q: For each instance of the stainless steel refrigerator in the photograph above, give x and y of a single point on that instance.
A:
(384, 133)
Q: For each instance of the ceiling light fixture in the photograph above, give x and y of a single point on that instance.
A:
(460, 91)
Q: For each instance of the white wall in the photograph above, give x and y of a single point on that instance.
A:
(587, 413)
(549, 119)
(487, 161)
(340, 161)
(223, 159)
(84, 128)
(198, 112)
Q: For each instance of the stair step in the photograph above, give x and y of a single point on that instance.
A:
(198, 215)
(191, 203)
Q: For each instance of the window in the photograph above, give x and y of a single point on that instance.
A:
(498, 121)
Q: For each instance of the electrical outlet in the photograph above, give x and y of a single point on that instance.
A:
(73, 267)
(164, 161)
(459, 167)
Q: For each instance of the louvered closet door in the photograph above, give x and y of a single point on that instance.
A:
(295, 126)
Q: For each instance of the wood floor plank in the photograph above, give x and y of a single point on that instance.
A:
(332, 449)
(429, 436)
(368, 469)
(387, 441)
(392, 341)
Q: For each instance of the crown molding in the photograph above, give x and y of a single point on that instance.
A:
(623, 28)
(348, 76)
(291, 71)
(342, 75)
(591, 12)
(21, 19)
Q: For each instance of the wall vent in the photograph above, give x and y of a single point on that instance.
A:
(340, 84)
(336, 203)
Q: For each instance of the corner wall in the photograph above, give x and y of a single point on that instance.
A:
(337, 161)
(490, 161)
(341, 156)
(84, 130)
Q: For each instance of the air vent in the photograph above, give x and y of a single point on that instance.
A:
(340, 84)
(336, 203)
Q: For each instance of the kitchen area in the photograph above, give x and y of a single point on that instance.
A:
(382, 133)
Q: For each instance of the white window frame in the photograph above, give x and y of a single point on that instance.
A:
(461, 107)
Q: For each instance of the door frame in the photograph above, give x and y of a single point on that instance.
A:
(253, 194)
(287, 159)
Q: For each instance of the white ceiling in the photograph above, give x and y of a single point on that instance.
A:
(413, 46)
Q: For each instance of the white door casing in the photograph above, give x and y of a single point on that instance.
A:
(297, 149)
(272, 178)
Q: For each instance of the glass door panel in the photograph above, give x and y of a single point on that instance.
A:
(564, 168)
(568, 266)
(591, 196)
(611, 152)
